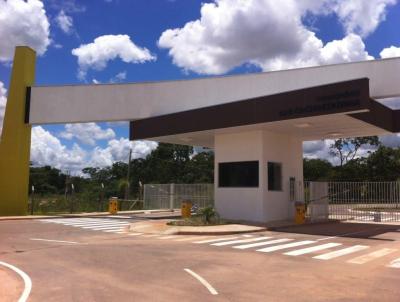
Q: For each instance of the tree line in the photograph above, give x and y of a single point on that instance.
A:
(180, 164)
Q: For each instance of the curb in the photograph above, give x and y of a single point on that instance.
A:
(218, 233)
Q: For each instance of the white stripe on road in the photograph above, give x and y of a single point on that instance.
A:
(341, 252)
(135, 234)
(312, 249)
(95, 223)
(151, 235)
(371, 256)
(285, 246)
(240, 241)
(112, 230)
(202, 281)
(216, 240)
(193, 238)
(169, 237)
(247, 246)
(395, 263)
(25, 277)
(57, 241)
(101, 227)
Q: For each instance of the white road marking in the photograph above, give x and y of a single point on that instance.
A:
(202, 281)
(342, 252)
(151, 235)
(91, 224)
(312, 249)
(247, 246)
(135, 234)
(121, 232)
(240, 241)
(50, 240)
(284, 246)
(169, 237)
(216, 240)
(371, 256)
(395, 263)
(105, 227)
(192, 238)
(247, 235)
(112, 230)
(108, 228)
(25, 277)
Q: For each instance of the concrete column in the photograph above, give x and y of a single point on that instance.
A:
(16, 137)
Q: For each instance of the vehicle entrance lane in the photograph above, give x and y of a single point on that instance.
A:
(108, 266)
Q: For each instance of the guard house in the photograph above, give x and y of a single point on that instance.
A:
(254, 123)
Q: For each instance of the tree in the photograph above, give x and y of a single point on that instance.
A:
(346, 149)
(317, 169)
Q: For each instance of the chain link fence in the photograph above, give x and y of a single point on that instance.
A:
(171, 196)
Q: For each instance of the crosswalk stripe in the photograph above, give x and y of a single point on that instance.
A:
(107, 228)
(371, 256)
(240, 241)
(342, 252)
(111, 230)
(284, 246)
(312, 249)
(169, 237)
(192, 238)
(135, 234)
(151, 235)
(395, 263)
(247, 246)
(95, 223)
(215, 240)
(104, 226)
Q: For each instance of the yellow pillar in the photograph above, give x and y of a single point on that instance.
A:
(16, 137)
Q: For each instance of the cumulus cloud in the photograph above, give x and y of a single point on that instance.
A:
(360, 16)
(3, 101)
(47, 149)
(22, 23)
(390, 52)
(64, 22)
(118, 150)
(230, 33)
(87, 133)
(105, 48)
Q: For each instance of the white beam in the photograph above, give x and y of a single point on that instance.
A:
(118, 102)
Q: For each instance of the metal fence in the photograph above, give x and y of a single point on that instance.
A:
(364, 201)
(170, 196)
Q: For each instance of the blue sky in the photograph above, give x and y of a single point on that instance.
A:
(211, 38)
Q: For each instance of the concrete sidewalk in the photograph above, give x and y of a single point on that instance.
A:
(161, 227)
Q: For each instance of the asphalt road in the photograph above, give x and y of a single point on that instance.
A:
(94, 265)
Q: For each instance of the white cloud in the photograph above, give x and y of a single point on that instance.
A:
(96, 55)
(46, 149)
(3, 101)
(22, 23)
(87, 133)
(119, 77)
(231, 33)
(118, 150)
(390, 52)
(361, 16)
(64, 22)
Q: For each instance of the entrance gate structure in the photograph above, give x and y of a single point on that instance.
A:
(255, 123)
(361, 201)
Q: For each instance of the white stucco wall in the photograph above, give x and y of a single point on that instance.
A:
(258, 204)
(238, 203)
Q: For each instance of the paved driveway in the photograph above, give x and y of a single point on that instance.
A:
(95, 259)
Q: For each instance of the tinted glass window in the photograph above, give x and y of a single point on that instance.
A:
(274, 176)
(238, 174)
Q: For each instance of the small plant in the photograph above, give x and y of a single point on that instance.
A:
(209, 215)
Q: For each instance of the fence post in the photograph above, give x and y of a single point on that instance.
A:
(171, 196)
